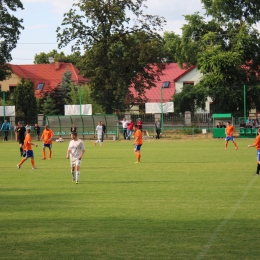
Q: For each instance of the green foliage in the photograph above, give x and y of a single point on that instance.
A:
(189, 99)
(85, 98)
(191, 130)
(10, 28)
(49, 107)
(8, 98)
(116, 55)
(66, 86)
(225, 49)
(43, 58)
(24, 99)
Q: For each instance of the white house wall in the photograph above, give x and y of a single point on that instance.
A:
(192, 76)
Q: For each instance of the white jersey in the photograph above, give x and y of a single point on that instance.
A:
(124, 123)
(76, 148)
(99, 130)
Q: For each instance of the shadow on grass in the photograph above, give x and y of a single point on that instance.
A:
(125, 238)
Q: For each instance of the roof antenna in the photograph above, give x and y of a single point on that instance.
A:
(51, 60)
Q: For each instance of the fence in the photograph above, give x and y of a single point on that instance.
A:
(85, 125)
(174, 124)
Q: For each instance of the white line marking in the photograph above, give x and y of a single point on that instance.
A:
(206, 248)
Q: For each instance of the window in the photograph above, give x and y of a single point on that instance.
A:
(12, 89)
(190, 83)
(166, 84)
(40, 86)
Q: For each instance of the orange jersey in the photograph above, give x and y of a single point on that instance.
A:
(257, 142)
(27, 142)
(138, 134)
(230, 130)
(47, 136)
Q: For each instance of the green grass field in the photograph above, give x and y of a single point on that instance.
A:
(186, 200)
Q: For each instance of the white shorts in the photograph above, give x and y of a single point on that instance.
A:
(75, 162)
(99, 137)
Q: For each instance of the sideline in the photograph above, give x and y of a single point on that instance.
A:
(206, 248)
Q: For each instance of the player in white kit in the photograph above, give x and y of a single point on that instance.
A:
(99, 132)
(75, 153)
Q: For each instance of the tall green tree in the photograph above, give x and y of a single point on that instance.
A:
(66, 86)
(49, 107)
(117, 54)
(10, 28)
(226, 50)
(24, 99)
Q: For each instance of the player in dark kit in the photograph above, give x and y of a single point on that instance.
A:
(21, 135)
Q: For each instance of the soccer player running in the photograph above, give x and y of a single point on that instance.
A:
(257, 145)
(137, 143)
(229, 135)
(75, 153)
(47, 136)
(28, 152)
(99, 133)
(21, 131)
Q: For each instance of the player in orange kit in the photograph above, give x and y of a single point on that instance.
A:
(28, 152)
(47, 136)
(137, 143)
(229, 135)
(257, 145)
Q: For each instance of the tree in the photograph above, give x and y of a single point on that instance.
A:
(189, 99)
(117, 55)
(49, 107)
(225, 49)
(66, 86)
(10, 28)
(24, 99)
(43, 58)
(85, 98)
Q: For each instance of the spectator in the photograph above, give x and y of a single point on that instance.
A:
(242, 124)
(139, 124)
(37, 131)
(130, 129)
(104, 131)
(6, 128)
(73, 128)
(124, 123)
(157, 126)
(28, 127)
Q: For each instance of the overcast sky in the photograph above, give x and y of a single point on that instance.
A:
(42, 17)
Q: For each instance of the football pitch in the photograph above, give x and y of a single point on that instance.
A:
(187, 199)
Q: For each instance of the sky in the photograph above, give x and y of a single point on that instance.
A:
(42, 17)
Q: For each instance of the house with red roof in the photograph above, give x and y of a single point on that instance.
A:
(171, 81)
(44, 76)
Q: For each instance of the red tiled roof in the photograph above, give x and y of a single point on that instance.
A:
(49, 74)
(171, 73)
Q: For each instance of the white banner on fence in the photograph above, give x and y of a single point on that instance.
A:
(152, 108)
(9, 110)
(72, 110)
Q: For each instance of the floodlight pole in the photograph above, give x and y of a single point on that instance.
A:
(4, 103)
(80, 99)
(162, 108)
(244, 102)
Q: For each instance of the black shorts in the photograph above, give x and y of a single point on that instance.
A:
(20, 140)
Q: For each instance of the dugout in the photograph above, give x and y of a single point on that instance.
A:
(85, 124)
(220, 132)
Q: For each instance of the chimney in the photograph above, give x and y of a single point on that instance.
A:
(57, 65)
